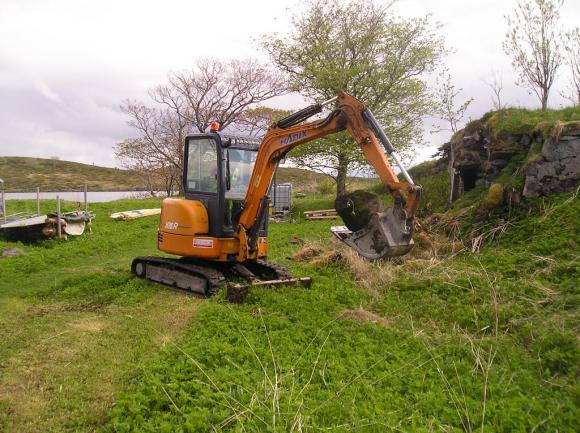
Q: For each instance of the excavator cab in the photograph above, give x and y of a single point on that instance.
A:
(217, 173)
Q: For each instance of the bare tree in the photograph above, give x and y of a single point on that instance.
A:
(156, 154)
(572, 46)
(446, 95)
(533, 43)
(219, 91)
(188, 102)
(495, 84)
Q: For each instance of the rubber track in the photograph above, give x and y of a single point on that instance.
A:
(214, 277)
(210, 272)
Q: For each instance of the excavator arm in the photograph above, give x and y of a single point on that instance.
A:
(388, 233)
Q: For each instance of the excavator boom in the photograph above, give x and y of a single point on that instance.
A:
(388, 233)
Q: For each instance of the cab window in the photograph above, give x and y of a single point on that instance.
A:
(241, 166)
(202, 165)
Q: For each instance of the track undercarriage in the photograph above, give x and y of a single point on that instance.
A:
(205, 278)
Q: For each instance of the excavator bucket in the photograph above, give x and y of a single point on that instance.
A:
(371, 231)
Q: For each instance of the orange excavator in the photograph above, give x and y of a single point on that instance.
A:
(220, 228)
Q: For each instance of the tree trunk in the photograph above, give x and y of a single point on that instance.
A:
(545, 99)
(341, 174)
(179, 182)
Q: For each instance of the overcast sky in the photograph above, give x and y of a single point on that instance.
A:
(66, 65)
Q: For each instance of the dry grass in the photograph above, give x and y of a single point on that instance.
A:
(360, 316)
(429, 251)
(308, 252)
(488, 235)
(368, 274)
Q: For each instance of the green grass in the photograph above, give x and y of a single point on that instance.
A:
(73, 322)
(27, 174)
(520, 120)
(302, 180)
(476, 342)
(433, 176)
(480, 342)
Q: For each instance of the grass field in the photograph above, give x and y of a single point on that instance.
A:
(481, 342)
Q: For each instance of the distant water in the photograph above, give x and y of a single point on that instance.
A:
(92, 196)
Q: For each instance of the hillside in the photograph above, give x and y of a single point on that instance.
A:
(26, 174)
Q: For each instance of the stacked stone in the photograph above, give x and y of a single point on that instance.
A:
(559, 169)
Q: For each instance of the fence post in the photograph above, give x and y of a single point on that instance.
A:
(3, 202)
(37, 201)
(3, 206)
(59, 230)
(86, 202)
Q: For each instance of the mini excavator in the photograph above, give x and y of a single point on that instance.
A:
(220, 228)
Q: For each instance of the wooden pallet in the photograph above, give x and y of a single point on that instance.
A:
(323, 214)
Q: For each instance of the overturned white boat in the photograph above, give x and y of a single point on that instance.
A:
(46, 226)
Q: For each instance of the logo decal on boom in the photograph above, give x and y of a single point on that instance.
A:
(293, 137)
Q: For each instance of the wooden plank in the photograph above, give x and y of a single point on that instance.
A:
(320, 214)
(319, 211)
(321, 217)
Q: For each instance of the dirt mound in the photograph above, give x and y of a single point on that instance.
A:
(356, 208)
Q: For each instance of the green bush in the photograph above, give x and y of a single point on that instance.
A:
(326, 187)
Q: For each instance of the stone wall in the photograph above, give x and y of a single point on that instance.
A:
(551, 165)
(558, 169)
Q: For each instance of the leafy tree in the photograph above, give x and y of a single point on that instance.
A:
(363, 49)
(533, 43)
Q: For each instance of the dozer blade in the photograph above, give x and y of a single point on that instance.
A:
(387, 234)
(236, 293)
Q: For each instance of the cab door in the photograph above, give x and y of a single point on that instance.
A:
(203, 174)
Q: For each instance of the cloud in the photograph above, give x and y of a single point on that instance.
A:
(45, 91)
(66, 66)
